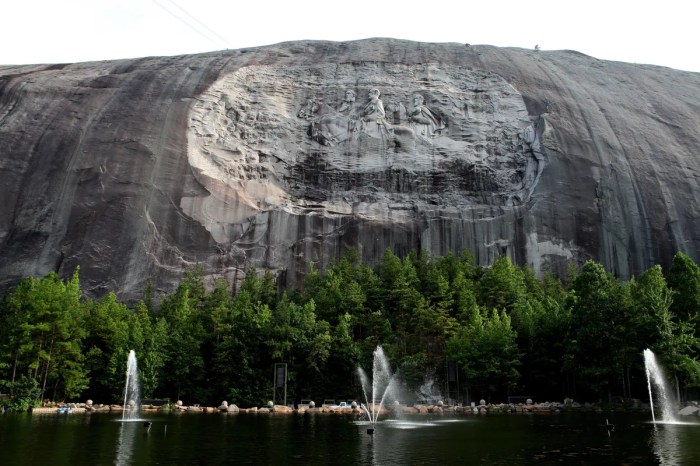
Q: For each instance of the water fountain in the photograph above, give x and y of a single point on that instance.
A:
(132, 398)
(380, 387)
(429, 393)
(655, 378)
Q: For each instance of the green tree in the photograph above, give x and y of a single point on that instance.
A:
(464, 296)
(107, 347)
(25, 393)
(297, 338)
(241, 359)
(400, 298)
(595, 346)
(336, 295)
(486, 350)
(541, 325)
(16, 344)
(152, 353)
(46, 345)
(671, 339)
(184, 367)
(501, 286)
(684, 279)
(337, 376)
(347, 287)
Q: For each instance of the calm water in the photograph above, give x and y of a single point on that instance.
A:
(200, 439)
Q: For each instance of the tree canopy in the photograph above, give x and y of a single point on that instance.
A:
(506, 331)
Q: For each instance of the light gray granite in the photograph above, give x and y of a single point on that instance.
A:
(287, 154)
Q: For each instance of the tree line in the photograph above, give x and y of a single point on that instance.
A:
(502, 330)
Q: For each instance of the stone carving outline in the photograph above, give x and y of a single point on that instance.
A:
(268, 138)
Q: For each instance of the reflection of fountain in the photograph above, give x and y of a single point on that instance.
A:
(132, 399)
(382, 385)
(668, 445)
(656, 378)
(125, 444)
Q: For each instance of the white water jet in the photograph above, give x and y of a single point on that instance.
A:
(132, 393)
(656, 379)
(382, 385)
(429, 393)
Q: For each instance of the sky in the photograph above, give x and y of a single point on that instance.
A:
(665, 33)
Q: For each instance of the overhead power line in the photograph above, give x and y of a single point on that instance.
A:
(198, 21)
(190, 25)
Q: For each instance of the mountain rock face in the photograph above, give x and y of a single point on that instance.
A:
(279, 156)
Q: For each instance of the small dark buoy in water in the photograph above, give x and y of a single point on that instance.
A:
(147, 425)
(370, 431)
(610, 427)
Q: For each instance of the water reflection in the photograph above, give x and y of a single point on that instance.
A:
(308, 440)
(396, 442)
(404, 425)
(667, 443)
(125, 443)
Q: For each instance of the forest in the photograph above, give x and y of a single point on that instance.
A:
(475, 332)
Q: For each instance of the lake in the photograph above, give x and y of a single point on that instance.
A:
(306, 439)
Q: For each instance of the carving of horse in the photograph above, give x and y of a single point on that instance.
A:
(329, 127)
(312, 109)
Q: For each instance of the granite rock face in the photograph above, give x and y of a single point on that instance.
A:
(282, 155)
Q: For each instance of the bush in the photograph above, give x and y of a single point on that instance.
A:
(24, 394)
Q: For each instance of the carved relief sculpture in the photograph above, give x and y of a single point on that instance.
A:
(281, 148)
(428, 123)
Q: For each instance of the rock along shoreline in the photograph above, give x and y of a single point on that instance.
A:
(396, 410)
